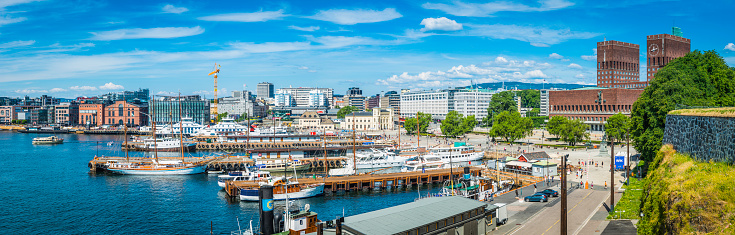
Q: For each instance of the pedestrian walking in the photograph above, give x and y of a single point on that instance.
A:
(592, 185)
(605, 184)
(534, 188)
(516, 193)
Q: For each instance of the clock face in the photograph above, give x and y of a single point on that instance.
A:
(653, 49)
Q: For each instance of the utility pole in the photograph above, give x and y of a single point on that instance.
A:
(612, 174)
(627, 168)
(564, 195)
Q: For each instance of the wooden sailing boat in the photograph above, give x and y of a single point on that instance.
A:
(160, 167)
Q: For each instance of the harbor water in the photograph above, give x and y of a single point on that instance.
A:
(49, 189)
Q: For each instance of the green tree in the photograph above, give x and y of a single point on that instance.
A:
(574, 131)
(533, 112)
(451, 126)
(468, 124)
(345, 110)
(242, 117)
(500, 102)
(530, 98)
(511, 126)
(697, 79)
(410, 123)
(220, 116)
(556, 124)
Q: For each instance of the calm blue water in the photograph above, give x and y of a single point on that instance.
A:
(49, 189)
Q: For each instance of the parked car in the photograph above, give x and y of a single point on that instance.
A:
(538, 197)
(550, 193)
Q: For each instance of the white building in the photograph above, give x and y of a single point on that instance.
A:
(311, 120)
(439, 102)
(300, 96)
(283, 99)
(378, 119)
(265, 90)
(240, 102)
(317, 98)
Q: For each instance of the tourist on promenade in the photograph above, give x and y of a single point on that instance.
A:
(534, 188)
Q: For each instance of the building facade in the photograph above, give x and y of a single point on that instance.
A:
(283, 99)
(373, 102)
(67, 114)
(265, 90)
(240, 102)
(378, 119)
(141, 95)
(126, 113)
(165, 109)
(311, 120)
(300, 96)
(592, 105)
(662, 49)
(618, 65)
(317, 98)
(354, 98)
(6, 114)
(391, 99)
(440, 102)
(91, 114)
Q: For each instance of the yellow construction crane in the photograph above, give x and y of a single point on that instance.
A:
(215, 71)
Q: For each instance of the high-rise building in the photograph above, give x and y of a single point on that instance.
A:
(391, 99)
(372, 102)
(67, 113)
(354, 98)
(265, 90)
(439, 102)
(141, 95)
(317, 98)
(300, 95)
(240, 102)
(618, 65)
(283, 99)
(165, 109)
(662, 49)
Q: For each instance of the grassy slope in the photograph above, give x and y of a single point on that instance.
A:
(629, 206)
(683, 196)
(709, 112)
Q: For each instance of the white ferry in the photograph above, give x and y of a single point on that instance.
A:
(190, 127)
(166, 144)
(48, 140)
(242, 176)
(378, 158)
(457, 154)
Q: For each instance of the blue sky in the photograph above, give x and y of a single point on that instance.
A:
(81, 47)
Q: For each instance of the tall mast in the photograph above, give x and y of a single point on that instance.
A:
(181, 131)
(126, 142)
(247, 120)
(155, 141)
(324, 139)
(354, 151)
(418, 133)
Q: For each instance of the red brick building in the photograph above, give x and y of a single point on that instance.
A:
(122, 112)
(662, 49)
(91, 114)
(592, 105)
(617, 64)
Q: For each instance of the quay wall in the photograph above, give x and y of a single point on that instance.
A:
(704, 138)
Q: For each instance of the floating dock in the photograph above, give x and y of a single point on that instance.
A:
(369, 181)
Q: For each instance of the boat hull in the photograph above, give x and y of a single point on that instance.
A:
(379, 165)
(161, 171)
(290, 168)
(49, 142)
(471, 157)
(187, 148)
(252, 194)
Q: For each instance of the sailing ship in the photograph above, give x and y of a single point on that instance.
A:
(48, 140)
(156, 166)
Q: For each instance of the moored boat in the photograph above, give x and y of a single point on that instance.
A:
(292, 190)
(422, 163)
(157, 168)
(242, 176)
(48, 140)
(462, 153)
(280, 165)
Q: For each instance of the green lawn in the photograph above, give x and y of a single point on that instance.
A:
(629, 205)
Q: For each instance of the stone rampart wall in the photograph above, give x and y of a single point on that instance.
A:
(703, 138)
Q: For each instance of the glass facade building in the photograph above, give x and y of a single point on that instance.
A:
(165, 109)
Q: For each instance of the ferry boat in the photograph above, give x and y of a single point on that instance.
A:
(242, 176)
(283, 188)
(166, 144)
(376, 158)
(187, 124)
(157, 168)
(48, 140)
(281, 165)
(421, 163)
(226, 126)
(457, 154)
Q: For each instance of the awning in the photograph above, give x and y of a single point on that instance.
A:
(519, 164)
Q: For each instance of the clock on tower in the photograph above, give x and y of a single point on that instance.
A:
(653, 49)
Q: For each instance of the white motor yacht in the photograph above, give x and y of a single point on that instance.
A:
(246, 175)
(421, 163)
(457, 154)
(379, 158)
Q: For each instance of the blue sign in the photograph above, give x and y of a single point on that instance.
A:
(619, 162)
(267, 204)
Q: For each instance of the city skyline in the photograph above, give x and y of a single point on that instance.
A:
(86, 49)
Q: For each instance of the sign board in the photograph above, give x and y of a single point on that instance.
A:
(619, 162)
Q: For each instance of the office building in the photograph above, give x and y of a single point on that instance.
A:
(127, 113)
(439, 102)
(91, 114)
(391, 99)
(300, 95)
(141, 95)
(166, 109)
(372, 102)
(265, 90)
(592, 105)
(317, 98)
(354, 98)
(377, 119)
(67, 114)
(283, 99)
(618, 65)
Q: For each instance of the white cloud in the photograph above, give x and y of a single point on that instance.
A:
(458, 8)
(308, 29)
(56, 90)
(259, 16)
(730, 47)
(590, 57)
(7, 3)
(30, 91)
(268, 47)
(202, 92)
(111, 86)
(442, 23)
(574, 66)
(166, 93)
(6, 19)
(556, 56)
(500, 59)
(351, 17)
(168, 8)
(14, 44)
(56, 47)
(581, 76)
(137, 33)
(536, 36)
(83, 88)
(303, 67)
(530, 74)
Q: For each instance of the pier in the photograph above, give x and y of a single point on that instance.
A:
(368, 181)
(226, 163)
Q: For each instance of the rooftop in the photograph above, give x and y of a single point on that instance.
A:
(404, 217)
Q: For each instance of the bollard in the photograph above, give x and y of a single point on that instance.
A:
(265, 194)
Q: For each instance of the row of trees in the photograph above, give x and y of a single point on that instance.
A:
(570, 131)
(423, 121)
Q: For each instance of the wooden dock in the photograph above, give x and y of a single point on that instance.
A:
(368, 181)
(226, 163)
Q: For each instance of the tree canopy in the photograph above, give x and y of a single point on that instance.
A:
(530, 98)
(345, 110)
(555, 125)
(500, 102)
(456, 124)
(410, 123)
(697, 79)
(574, 131)
(617, 127)
(511, 126)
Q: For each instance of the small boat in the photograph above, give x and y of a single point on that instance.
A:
(157, 168)
(48, 140)
(347, 169)
(462, 153)
(242, 176)
(280, 165)
(376, 158)
(283, 188)
(421, 163)
(166, 144)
